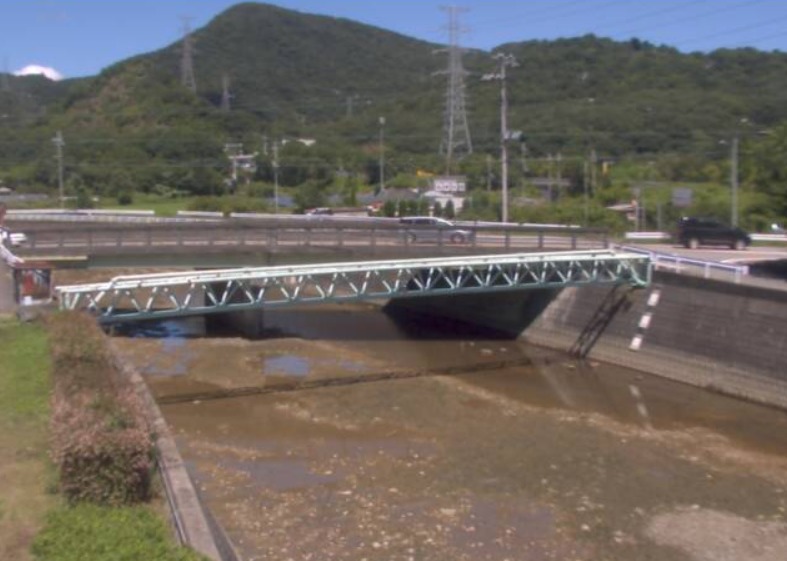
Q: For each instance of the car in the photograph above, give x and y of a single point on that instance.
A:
(13, 239)
(694, 232)
(435, 230)
(319, 211)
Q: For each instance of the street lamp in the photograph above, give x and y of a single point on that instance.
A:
(504, 61)
(382, 154)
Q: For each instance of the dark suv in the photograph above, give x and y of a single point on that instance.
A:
(693, 232)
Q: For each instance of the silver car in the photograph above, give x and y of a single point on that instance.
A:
(434, 230)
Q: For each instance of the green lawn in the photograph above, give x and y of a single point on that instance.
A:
(30, 513)
(163, 206)
(24, 411)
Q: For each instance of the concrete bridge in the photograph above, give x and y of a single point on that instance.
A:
(139, 297)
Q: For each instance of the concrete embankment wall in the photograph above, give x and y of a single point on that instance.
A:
(729, 337)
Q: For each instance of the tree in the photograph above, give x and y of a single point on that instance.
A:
(450, 211)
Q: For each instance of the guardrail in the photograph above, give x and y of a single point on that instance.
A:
(697, 267)
(99, 216)
(292, 234)
(663, 236)
(647, 236)
(782, 238)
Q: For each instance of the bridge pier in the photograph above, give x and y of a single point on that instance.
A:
(248, 323)
(507, 313)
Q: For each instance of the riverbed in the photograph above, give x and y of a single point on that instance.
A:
(344, 433)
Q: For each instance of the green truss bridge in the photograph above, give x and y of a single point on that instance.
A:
(167, 295)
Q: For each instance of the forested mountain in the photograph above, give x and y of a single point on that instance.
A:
(26, 99)
(293, 74)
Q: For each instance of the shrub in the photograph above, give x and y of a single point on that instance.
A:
(125, 198)
(101, 444)
(80, 358)
(102, 449)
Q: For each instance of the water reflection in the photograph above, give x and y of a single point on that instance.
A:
(362, 341)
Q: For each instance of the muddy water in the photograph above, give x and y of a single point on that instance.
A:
(470, 447)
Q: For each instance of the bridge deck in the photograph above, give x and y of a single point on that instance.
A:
(193, 293)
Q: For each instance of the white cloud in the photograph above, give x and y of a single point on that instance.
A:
(47, 71)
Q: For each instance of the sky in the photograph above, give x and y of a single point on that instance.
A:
(81, 37)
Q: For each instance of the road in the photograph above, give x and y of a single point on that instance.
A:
(720, 255)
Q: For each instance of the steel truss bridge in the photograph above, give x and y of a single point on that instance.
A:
(167, 295)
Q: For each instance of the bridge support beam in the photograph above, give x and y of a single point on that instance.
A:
(507, 313)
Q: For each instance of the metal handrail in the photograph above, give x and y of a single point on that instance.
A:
(657, 258)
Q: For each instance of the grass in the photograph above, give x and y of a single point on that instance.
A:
(98, 533)
(24, 374)
(30, 514)
(163, 206)
(24, 411)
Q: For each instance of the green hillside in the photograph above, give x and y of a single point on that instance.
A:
(134, 127)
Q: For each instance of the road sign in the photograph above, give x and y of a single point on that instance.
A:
(681, 197)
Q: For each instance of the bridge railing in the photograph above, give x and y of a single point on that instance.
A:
(287, 234)
(692, 266)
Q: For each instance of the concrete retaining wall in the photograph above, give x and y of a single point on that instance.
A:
(712, 334)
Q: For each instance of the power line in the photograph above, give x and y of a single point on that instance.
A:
(551, 14)
(700, 16)
(734, 30)
(648, 15)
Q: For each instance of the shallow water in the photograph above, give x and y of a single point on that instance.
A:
(519, 453)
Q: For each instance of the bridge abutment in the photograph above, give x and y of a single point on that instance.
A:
(508, 313)
(703, 332)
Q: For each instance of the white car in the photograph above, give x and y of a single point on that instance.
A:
(14, 239)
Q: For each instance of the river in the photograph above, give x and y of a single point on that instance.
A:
(344, 433)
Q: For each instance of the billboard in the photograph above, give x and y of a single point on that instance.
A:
(449, 184)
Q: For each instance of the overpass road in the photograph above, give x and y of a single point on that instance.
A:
(721, 255)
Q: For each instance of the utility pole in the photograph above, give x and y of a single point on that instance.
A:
(350, 101)
(550, 170)
(233, 150)
(275, 177)
(5, 85)
(504, 61)
(488, 172)
(734, 179)
(59, 143)
(559, 160)
(456, 132)
(187, 59)
(225, 93)
(382, 154)
(585, 190)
